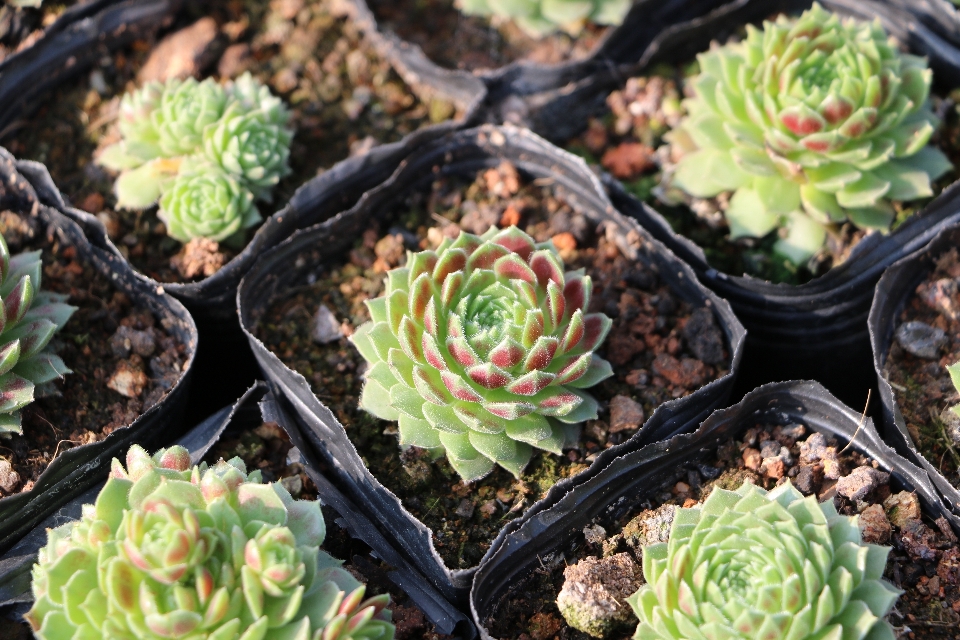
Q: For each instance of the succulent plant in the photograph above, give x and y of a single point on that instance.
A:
(541, 17)
(28, 320)
(482, 349)
(235, 136)
(751, 564)
(808, 122)
(204, 201)
(174, 551)
(954, 371)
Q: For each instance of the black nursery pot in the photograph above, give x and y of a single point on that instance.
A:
(298, 259)
(250, 411)
(816, 330)
(639, 475)
(892, 293)
(74, 43)
(76, 469)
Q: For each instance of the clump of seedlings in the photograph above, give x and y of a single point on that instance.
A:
(808, 123)
(753, 564)
(541, 17)
(481, 349)
(169, 550)
(29, 318)
(204, 150)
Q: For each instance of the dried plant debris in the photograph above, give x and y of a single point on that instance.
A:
(659, 346)
(585, 577)
(343, 99)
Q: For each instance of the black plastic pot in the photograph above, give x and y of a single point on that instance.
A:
(293, 263)
(254, 407)
(638, 475)
(76, 469)
(816, 330)
(894, 290)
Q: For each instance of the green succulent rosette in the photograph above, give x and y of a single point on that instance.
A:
(756, 565)
(539, 18)
(808, 123)
(204, 201)
(198, 553)
(205, 151)
(482, 349)
(29, 318)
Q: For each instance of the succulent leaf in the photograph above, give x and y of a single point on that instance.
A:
(172, 551)
(473, 346)
(539, 18)
(757, 564)
(809, 121)
(29, 318)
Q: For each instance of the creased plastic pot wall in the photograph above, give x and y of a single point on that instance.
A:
(892, 293)
(816, 330)
(296, 260)
(77, 468)
(246, 414)
(634, 477)
(80, 38)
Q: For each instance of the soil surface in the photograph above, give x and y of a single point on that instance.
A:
(922, 385)
(268, 448)
(457, 41)
(20, 27)
(343, 97)
(924, 560)
(627, 141)
(123, 362)
(653, 346)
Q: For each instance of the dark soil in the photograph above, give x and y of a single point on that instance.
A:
(343, 97)
(922, 387)
(653, 360)
(923, 561)
(109, 343)
(627, 140)
(458, 41)
(20, 27)
(268, 448)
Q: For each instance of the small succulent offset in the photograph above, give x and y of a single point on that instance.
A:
(174, 551)
(29, 318)
(751, 564)
(954, 371)
(542, 17)
(808, 122)
(218, 148)
(482, 349)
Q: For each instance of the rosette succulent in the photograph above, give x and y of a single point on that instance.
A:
(235, 135)
(204, 201)
(751, 564)
(541, 17)
(482, 349)
(206, 553)
(29, 318)
(808, 122)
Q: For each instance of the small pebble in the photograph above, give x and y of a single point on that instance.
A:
(860, 482)
(902, 508)
(326, 327)
(874, 525)
(625, 414)
(594, 534)
(465, 508)
(921, 339)
(9, 479)
(595, 591)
